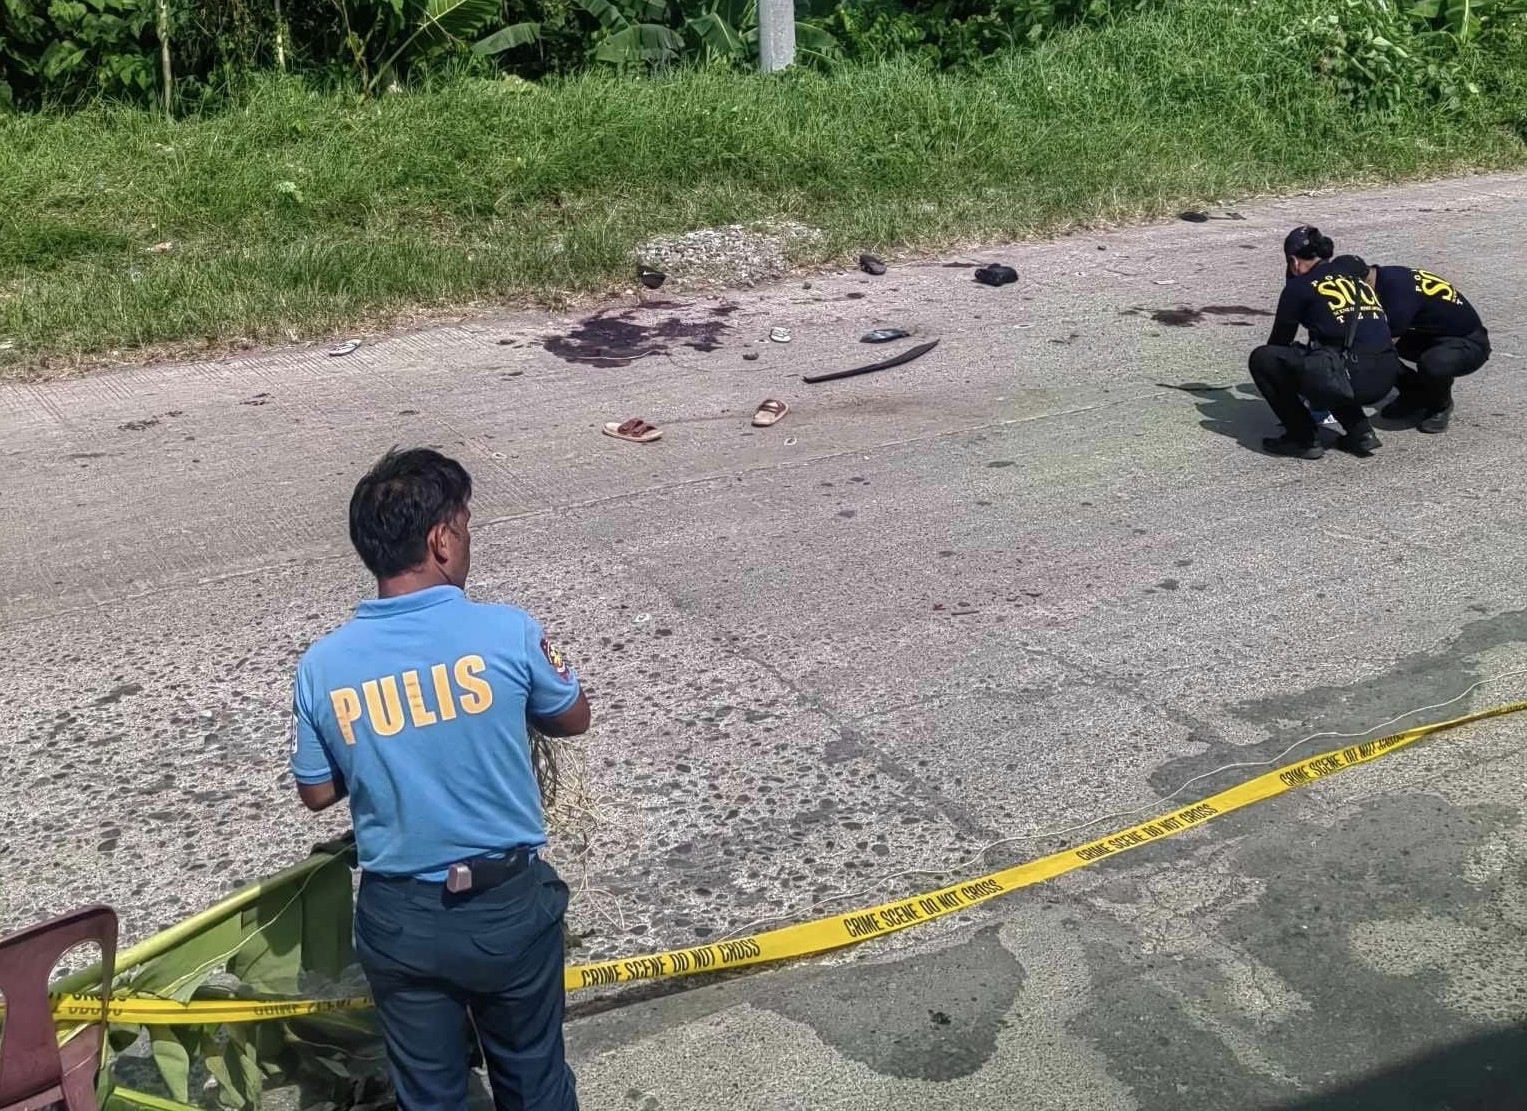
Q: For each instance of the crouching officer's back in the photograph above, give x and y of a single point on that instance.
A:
(418, 710)
(1438, 331)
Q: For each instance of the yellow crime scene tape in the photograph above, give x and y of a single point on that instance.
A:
(836, 931)
(149, 1010)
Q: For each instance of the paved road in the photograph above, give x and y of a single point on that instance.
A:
(1012, 587)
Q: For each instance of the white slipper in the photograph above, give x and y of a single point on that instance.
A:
(635, 430)
(769, 413)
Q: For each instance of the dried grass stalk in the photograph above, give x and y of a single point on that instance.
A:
(560, 767)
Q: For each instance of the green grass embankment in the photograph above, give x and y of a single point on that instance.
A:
(296, 213)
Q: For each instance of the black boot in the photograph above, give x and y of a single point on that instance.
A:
(1291, 448)
(1436, 421)
(1410, 400)
(1361, 443)
(1404, 408)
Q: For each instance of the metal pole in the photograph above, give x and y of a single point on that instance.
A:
(776, 34)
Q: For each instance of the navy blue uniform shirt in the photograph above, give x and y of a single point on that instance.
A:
(1323, 303)
(1418, 301)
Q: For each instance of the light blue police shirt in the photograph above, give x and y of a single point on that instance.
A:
(419, 705)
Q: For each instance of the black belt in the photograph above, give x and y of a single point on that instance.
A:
(480, 873)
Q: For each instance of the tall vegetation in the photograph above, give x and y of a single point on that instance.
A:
(301, 210)
(65, 52)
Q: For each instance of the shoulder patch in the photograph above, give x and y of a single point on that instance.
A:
(554, 657)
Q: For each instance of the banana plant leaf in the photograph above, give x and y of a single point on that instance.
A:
(455, 19)
(641, 42)
(174, 1050)
(285, 937)
(719, 37)
(438, 22)
(507, 38)
(177, 974)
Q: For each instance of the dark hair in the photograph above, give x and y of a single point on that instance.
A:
(1306, 242)
(1353, 266)
(396, 504)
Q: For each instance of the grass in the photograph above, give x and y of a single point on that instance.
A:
(297, 213)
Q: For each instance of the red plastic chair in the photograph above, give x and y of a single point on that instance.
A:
(35, 1071)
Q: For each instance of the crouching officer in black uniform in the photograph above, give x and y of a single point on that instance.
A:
(1435, 328)
(1350, 359)
(418, 709)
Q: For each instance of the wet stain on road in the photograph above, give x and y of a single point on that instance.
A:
(1185, 317)
(1167, 1065)
(1420, 679)
(1342, 932)
(614, 339)
(939, 1014)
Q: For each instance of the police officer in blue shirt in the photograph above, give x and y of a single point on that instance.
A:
(417, 709)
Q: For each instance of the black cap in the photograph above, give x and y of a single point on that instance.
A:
(1353, 266)
(1301, 241)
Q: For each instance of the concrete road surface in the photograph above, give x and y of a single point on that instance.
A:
(1016, 586)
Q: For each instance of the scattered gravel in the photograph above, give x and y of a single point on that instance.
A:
(732, 256)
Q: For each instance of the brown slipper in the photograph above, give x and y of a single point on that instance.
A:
(769, 412)
(635, 430)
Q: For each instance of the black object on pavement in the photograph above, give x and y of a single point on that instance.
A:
(905, 357)
(652, 279)
(996, 275)
(871, 265)
(883, 335)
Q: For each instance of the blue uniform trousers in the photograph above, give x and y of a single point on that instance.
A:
(434, 960)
